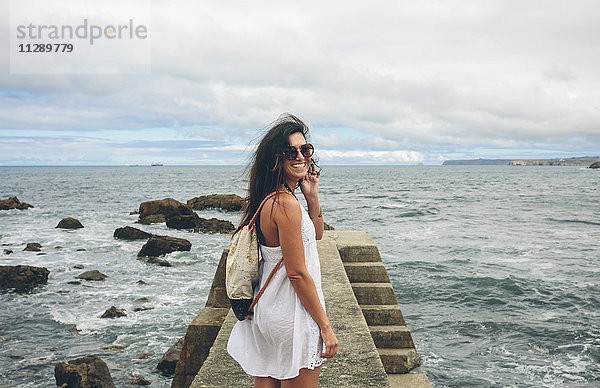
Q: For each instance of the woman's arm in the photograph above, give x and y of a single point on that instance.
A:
(288, 217)
(310, 189)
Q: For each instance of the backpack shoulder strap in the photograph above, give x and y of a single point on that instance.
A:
(251, 225)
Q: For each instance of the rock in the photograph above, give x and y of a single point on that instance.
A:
(112, 347)
(41, 253)
(22, 277)
(143, 308)
(58, 247)
(8, 251)
(595, 165)
(142, 356)
(152, 219)
(229, 202)
(129, 233)
(114, 312)
(92, 275)
(13, 203)
(84, 372)
(155, 260)
(185, 221)
(160, 245)
(167, 207)
(140, 380)
(141, 300)
(74, 282)
(141, 282)
(326, 226)
(33, 247)
(167, 364)
(134, 213)
(75, 330)
(69, 223)
(214, 225)
(78, 266)
(81, 250)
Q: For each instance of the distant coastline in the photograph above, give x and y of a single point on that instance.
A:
(576, 161)
(477, 162)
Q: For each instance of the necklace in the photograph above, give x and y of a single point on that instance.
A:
(290, 190)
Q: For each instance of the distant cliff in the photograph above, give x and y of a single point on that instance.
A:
(579, 161)
(478, 162)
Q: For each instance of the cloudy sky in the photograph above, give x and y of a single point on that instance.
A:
(379, 82)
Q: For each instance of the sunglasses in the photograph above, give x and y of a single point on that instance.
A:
(291, 153)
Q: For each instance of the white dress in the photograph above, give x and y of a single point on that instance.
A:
(282, 337)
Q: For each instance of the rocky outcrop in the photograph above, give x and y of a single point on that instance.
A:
(160, 262)
(8, 251)
(140, 380)
(595, 165)
(33, 247)
(92, 275)
(69, 223)
(22, 277)
(84, 372)
(114, 312)
(167, 207)
(326, 226)
(214, 225)
(152, 219)
(199, 224)
(160, 245)
(129, 233)
(155, 260)
(185, 221)
(229, 202)
(143, 308)
(13, 203)
(168, 362)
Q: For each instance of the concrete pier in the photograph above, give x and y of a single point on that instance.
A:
(375, 346)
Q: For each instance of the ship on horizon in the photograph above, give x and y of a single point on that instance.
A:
(154, 164)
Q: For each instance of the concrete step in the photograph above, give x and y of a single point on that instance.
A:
(374, 293)
(383, 314)
(390, 336)
(412, 380)
(367, 272)
(399, 360)
(355, 246)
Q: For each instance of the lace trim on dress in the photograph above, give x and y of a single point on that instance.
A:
(308, 229)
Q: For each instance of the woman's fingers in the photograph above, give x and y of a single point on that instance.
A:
(330, 351)
(331, 344)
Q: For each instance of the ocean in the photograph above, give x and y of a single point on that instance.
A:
(496, 268)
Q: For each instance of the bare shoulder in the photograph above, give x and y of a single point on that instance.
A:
(285, 206)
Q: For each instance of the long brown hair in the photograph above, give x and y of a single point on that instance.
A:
(266, 173)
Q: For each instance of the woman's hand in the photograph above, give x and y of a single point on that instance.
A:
(310, 183)
(330, 341)
(310, 189)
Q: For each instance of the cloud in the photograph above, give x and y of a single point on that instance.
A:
(94, 151)
(370, 157)
(555, 73)
(427, 77)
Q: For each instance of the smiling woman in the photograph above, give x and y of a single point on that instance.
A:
(288, 336)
